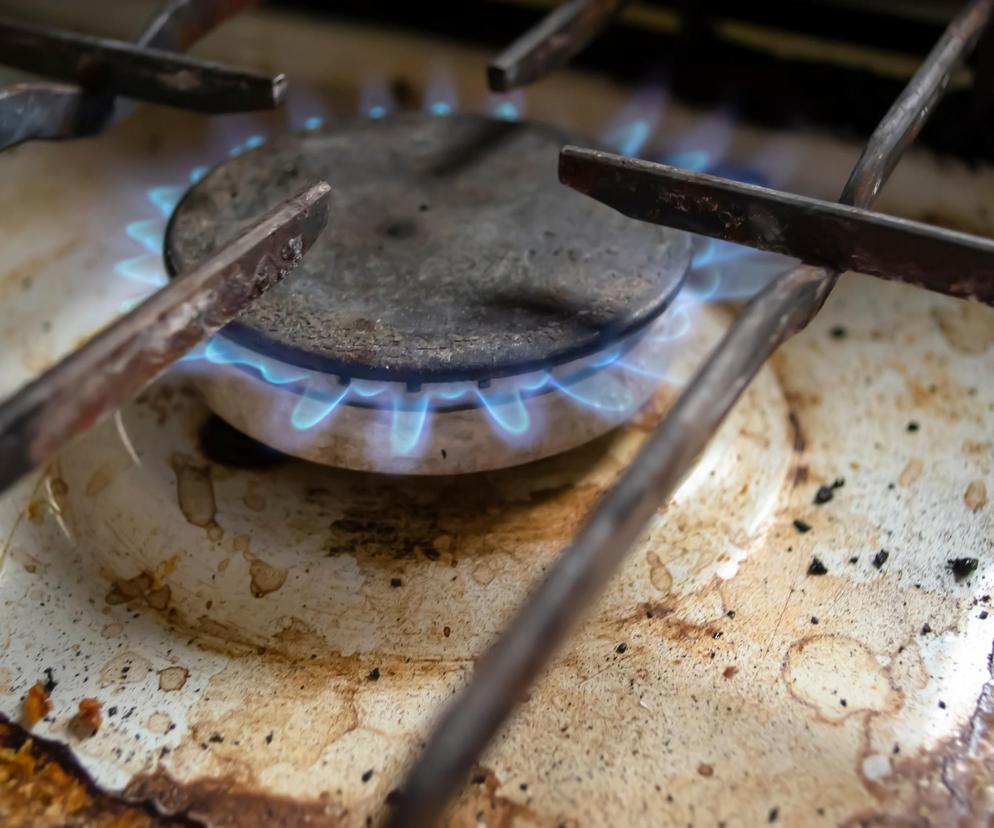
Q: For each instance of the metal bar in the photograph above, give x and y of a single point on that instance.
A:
(583, 570)
(551, 43)
(181, 23)
(112, 66)
(822, 233)
(51, 111)
(175, 28)
(116, 364)
(908, 114)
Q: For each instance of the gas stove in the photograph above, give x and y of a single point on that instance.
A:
(277, 565)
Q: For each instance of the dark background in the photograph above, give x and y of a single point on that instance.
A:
(700, 67)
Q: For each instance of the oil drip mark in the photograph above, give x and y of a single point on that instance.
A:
(975, 496)
(173, 678)
(838, 676)
(195, 494)
(266, 578)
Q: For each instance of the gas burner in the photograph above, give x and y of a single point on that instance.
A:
(464, 312)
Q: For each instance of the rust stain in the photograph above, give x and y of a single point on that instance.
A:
(43, 786)
(225, 802)
(37, 705)
(87, 720)
(911, 472)
(975, 496)
(173, 678)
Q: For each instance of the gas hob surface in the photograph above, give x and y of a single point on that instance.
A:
(271, 639)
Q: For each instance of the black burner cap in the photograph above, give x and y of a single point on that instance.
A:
(452, 252)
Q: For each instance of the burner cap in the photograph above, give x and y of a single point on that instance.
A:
(452, 252)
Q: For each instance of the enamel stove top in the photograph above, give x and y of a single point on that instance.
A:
(271, 639)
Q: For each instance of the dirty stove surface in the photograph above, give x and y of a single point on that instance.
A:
(271, 643)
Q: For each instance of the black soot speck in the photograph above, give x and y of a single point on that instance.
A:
(816, 567)
(880, 558)
(962, 567)
(826, 493)
(400, 229)
(802, 526)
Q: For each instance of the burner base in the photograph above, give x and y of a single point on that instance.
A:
(395, 432)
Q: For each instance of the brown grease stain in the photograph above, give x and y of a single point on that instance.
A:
(977, 448)
(481, 802)
(23, 274)
(126, 668)
(911, 472)
(837, 676)
(99, 480)
(195, 493)
(266, 578)
(800, 441)
(975, 496)
(950, 783)
(225, 801)
(172, 679)
(144, 588)
(939, 396)
(659, 575)
(968, 327)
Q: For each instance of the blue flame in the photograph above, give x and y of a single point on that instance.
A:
(376, 100)
(166, 198)
(146, 270)
(511, 415)
(691, 160)
(636, 123)
(313, 408)
(222, 351)
(508, 106)
(148, 232)
(408, 424)
(440, 95)
(602, 383)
